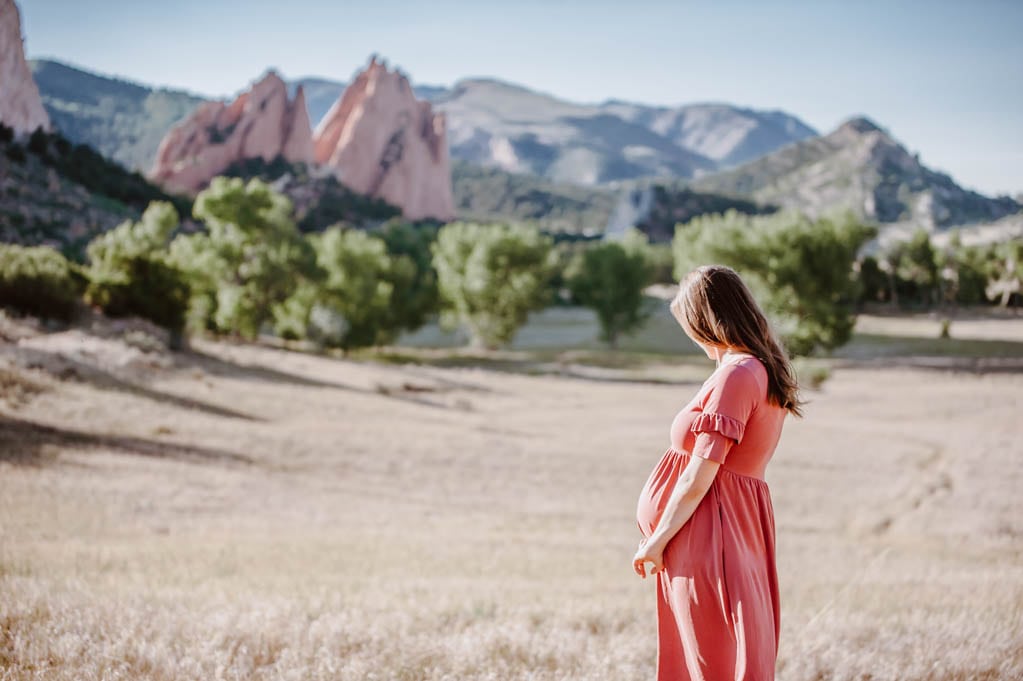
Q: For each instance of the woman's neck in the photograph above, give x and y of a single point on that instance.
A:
(729, 353)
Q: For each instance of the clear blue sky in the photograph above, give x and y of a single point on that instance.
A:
(945, 78)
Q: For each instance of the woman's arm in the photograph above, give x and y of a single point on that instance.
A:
(689, 491)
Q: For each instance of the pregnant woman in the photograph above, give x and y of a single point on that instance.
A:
(705, 512)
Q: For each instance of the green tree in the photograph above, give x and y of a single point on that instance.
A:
(801, 270)
(38, 280)
(874, 284)
(415, 296)
(971, 269)
(248, 262)
(130, 272)
(491, 277)
(1006, 272)
(963, 272)
(359, 286)
(609, 277)
(371, 287)
(915, 266)
(662, 262)
(38, 142)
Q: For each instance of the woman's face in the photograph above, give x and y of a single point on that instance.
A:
(712, 351)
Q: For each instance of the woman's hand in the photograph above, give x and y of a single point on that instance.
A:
(648, 552)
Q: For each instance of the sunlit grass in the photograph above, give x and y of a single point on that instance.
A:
(246, 512)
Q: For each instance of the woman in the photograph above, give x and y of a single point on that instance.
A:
(705, 512)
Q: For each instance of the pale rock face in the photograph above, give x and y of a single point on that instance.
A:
(21, 108)
(260, 123)
(380, 140)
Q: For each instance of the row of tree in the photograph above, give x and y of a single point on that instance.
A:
(801, 270)
(916, 272)
(249, 270)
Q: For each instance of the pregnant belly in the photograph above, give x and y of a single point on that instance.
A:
(658, 489)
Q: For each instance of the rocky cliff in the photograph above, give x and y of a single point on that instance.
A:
(20, 105)
(261, 123)
(382, 141)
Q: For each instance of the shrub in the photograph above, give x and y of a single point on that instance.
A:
(130, 273)
(16, 153)
(39, 281)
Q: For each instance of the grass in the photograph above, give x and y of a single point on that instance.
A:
(985, 332)
(245, 512)
(871, 345)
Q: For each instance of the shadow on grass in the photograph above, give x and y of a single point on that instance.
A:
(24, 442)
(63, 367)
(405, 392)
(217, 366)
(589, 365)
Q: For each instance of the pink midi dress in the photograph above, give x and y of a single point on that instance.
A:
(717, 596)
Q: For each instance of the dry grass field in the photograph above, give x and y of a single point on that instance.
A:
(245, 512)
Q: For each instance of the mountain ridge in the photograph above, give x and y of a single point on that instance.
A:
(862, 167)
(589, 145)
(859, 165)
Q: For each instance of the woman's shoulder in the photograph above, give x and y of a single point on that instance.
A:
(745, 372)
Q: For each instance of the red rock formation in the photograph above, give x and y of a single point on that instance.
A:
(381, 141)
(21, 108)
(259, 123)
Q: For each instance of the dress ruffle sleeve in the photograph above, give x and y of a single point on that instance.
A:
(710, 422)
(725, 409)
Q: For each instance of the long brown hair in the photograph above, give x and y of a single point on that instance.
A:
(715, 307)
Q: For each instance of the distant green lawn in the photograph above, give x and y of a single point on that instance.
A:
(867, 346)
(558, 329)
(553, 333)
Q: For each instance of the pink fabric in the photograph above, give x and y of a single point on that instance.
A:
(717, 598)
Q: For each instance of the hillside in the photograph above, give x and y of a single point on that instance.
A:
(493, 194)
(859, 166)
(492, 122)
(318, 198)
(56, 193)
(122, 120)
(727, 134)
(522, 131)
(654, 206)
(521, 154)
